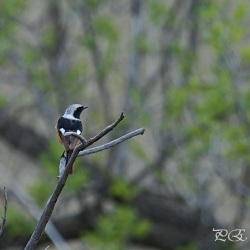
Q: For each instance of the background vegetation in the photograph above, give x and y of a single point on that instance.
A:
(177, 68)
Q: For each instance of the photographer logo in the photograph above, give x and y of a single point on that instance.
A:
(234, 235)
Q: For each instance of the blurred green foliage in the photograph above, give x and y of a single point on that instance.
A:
(19, 223)
(158, 12)
(41, 192)
(8, 26)
(190, 246)
(3, 101)
(50, 161)
(121, 189)
(115, 229)
(105, 28)
(203, 106)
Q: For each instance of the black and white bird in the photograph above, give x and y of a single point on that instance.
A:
(70, 122)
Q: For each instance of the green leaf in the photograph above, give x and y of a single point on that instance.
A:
(79, 180)
(12, 7)
(106, 28)
(41, 191)
(3, 100)
(209, 11)
(245, 54)
(49, 37)
(190, 246)
(19, 223)
(114, 229)
(122, 189)
(140, 151)
(30, 56)
(93, 4)
(240, 11)
(237, 33)
(143, 45)
(177, 99)
(158, 11)
(51, 158)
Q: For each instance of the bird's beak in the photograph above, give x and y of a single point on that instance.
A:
(85, 107)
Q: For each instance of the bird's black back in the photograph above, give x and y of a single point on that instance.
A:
(69, 124)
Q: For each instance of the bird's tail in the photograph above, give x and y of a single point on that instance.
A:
(68, 155)
(62, 164)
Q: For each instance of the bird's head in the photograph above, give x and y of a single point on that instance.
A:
(74, 110)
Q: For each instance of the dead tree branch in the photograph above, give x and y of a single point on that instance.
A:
(63, 178)
(27, 203)
(105, 131)
(113, 143)
(5, 211)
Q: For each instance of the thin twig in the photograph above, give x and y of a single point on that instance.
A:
(113, 143)
(63, 178)
(105, 131)
(5, 211)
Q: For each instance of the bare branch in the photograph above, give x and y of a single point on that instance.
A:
(63, 178)
(5, 211)
(105, 131)
(113, 143)
(27, 203)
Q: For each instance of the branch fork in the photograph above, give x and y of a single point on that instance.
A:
(80, 150)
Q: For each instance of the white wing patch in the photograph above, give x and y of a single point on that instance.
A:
(62, 130)
(78, 132)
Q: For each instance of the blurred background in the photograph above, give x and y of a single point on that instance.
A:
(180, 69)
